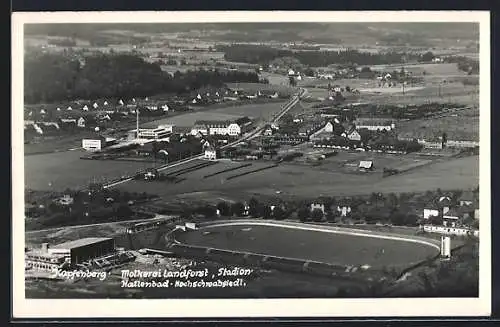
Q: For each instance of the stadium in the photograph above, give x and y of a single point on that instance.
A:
(321, 250)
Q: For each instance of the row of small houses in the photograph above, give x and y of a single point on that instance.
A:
(335, 134)
(439, 143)
(449, 214)
(110, 106)
(47, 127)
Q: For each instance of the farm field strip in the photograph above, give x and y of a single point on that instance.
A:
(190, 169)
(227, 170)
(251, 172)
(299, 182)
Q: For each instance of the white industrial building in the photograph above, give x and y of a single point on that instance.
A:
(158, 133)
(94, 144)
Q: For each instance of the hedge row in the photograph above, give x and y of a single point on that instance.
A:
(252, 171)
(190, 169)
(227, 170)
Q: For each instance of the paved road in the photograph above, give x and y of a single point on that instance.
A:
(286, 107)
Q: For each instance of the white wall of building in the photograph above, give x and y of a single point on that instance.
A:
(457, 231)
(430, 213)
(210, 154)
(92, 144)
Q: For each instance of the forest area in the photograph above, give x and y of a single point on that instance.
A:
(63, 77)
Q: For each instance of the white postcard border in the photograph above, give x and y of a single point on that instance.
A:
(215, 308)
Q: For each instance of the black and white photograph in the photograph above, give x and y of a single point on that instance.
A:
(324, 164)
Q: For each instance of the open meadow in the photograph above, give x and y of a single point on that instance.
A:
(292, 181)
(61, 170)
(255, 111)
(463, 126)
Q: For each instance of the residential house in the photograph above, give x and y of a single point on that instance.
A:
(317, 205)
(437, 208)
(268, 130)
(352, 134)
(451, 218)
(431, 210)
(466, 199)
(444, 203)
(210, 153)
(324, 132)
(80, 122)
(344, 207)
(462, 144)
(435, 143)
(268, 94)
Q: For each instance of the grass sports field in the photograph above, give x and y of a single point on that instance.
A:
(313, 245)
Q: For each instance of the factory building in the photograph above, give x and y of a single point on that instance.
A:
(159, 133)
(84, 249)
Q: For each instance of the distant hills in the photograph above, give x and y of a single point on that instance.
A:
(384, 33)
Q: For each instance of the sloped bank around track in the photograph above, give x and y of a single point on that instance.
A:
(351, 254)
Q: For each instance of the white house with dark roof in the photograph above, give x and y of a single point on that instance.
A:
(344, 207)
(81, 122)
(210, 153)
(352, 134)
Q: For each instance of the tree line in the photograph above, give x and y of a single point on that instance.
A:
(396, 209)
(51, 77)
(260, 54)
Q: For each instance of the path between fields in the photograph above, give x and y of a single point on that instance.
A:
(326, 229)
